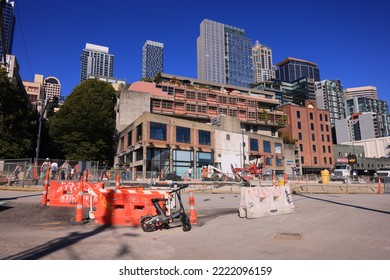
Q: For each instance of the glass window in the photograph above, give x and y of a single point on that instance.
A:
(139, 132)
(182, 161)
(327, 138)
(312, 126)
(326, 118)
(323, 149)
(278, 148)
(302, 160)
(327, 127)
(314, 148)
(267, 146)
(330, 160)
(183, 134)
(299, 125)
(254, 144)
(157, 160)
(129, 138)
(158, 131)
(320, 117)
(325, 160)
(279, 162)
(311, 115)
(268, 161)
(301, 147)
(313, 137)
(322, 127)
(299, 135)
(204, 137)
(315, 160)
(328, 149)
(298, 114)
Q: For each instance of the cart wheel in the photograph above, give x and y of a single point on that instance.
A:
(186, 224)
(147, 227)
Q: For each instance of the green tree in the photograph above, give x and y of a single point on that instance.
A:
(84, 127)
(18, 121)
(158, 78)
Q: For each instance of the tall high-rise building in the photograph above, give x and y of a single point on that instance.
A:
(367, 91)
(52, 87)
(9, 27)
(224, 54)
(152, 59)
(263, 69)
(292, 69)
(96, 60)
(330, 96)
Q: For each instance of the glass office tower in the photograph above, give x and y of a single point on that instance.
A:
(152, 59)
(9, 27)
(224, 54)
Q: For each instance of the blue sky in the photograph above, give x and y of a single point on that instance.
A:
(349, 40)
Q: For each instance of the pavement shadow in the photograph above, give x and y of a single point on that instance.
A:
(55, 245)
(344, 204)
(17, 197)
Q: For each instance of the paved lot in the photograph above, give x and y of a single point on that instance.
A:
(327, 226)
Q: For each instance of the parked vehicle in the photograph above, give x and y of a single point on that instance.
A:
(162, 220)
(382, 173)
(248, 173)
(214, 173)
(341, 172)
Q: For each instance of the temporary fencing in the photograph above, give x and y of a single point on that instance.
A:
(259, 202)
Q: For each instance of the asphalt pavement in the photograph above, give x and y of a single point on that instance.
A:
(322, 227)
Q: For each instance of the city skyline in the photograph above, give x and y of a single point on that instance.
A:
(335, 39)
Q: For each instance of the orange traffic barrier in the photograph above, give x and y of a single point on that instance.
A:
(46, 188)
(379, 185)
(79, 207)
(285, 177)
(118, 180)
(193, 219)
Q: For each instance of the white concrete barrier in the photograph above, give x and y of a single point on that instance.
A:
(259, 202)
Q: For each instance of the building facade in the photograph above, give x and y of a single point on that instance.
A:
(330, 96)
(367, 91)
(224, 54)
(52, 88)
(263, 68)
(310, 128)
(297, 92)
(292, 69)
(34, 89)
(9, 27)
(152, 59)
(96, 60)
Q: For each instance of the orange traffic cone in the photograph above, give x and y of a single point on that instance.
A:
(193, 219)
(46, 188)
(79, 207)
(379, 185)
(285, 177)
(273, 179)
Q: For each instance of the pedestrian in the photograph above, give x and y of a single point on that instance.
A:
(65, 170)
(45, 167)
(54, 169)
(104, 172)
(72, 173)
(190, 172)
(16, 172)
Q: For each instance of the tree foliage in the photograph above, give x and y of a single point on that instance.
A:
(18, 121)
(84, 127)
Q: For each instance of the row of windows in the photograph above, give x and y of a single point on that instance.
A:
(299, 125)
(311, 116)
(254, 146)
(313, 137)
(314, 148)
(158, 131)
(325, 160)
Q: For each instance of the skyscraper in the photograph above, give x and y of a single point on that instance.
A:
(152, 59)
(224, 54)
(52, 87)
(96, 60)
(330, 96)
(262, 63)
(367, 91)
(9, 27)
(292, 69)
